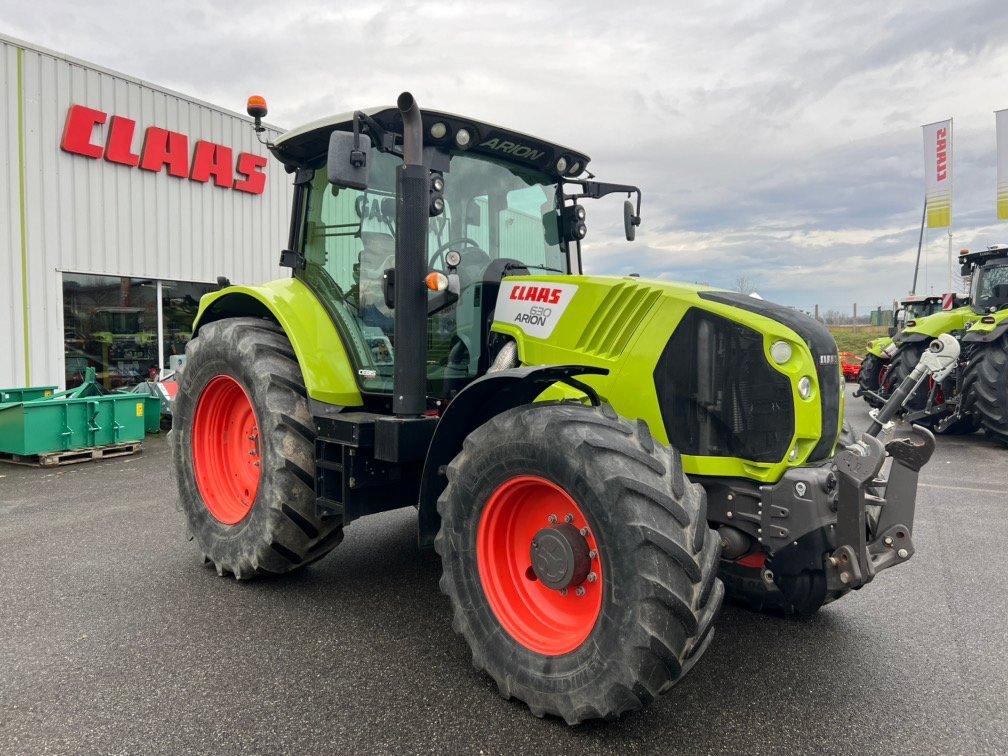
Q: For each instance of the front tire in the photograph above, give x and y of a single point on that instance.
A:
(635, 609)
(243, 446)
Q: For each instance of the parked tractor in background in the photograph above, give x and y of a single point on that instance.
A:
(875, 365)
(984, 369)
(974, 395)
(594, 458)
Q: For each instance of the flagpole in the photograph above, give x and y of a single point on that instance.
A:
(920, 241)
(950, 260)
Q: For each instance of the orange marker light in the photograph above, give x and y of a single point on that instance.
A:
(256, 106)
(436, 281)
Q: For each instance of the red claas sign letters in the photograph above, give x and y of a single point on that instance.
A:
(162, 148)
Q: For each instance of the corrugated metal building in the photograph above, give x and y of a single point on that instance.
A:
(121, 202)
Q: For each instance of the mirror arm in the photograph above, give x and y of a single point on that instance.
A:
(384, 140)
(597, 189)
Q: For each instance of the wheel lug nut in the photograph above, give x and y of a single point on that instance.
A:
(568, 518)
(593, 554)
(592, 577)
(563, 591)
(580, 590)
(552, 518)
(584, 532)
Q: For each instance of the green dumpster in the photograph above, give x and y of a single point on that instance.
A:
(75, 419)
(25, 394)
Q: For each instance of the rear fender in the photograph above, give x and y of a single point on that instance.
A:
(327, 370)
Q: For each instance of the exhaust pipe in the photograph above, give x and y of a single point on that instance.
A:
(409, 381)
(412, 129)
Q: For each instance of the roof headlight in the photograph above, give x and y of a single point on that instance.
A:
(463, 138)
(438, 130)
(780, 352)
(561, 165)
(805, 387)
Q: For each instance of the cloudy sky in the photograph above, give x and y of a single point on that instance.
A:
(779, 141)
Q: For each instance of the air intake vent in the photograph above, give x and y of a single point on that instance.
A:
(607, 333)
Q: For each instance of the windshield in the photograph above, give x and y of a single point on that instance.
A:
(922, 309)
(990, 287)
(500, 218)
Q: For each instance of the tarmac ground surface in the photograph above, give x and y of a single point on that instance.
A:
(115, 639)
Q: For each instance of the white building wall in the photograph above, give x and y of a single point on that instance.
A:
(12, 350)
(84, 215)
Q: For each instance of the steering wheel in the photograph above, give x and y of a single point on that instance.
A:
(465, 241)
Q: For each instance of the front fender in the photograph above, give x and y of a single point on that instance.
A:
(327, 370)
(481, 400)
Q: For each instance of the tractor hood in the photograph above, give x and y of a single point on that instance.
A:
(308, 145)
(936, 324)
(750, 386)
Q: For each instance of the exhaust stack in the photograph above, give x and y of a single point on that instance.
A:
(409, 382)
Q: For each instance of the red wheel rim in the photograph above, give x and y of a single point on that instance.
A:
(541, 619)
(883, 374)
(225, 445)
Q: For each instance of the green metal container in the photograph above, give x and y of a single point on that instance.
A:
(25, 394)
(61, 424)
(152, 413)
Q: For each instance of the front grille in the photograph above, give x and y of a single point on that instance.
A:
(719, 396)
(824, 351)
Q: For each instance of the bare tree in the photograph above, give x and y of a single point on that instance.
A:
(744, 284)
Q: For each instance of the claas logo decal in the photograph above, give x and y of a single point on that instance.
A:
(536, 294)
(534, 307)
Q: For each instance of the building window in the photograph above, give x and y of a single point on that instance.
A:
(110, 323)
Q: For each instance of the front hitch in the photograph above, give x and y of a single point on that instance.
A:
(857, 560)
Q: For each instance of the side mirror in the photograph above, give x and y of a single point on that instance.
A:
(630, 221)
(349, 164)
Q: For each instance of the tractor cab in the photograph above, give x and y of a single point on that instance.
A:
(917, 306)
(989, 271)
(497, 203)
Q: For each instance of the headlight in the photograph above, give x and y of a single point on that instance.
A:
(780, 352)
(805, 387)
(891, 350)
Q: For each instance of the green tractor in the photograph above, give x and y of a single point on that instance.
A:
(985, 342)
(594, 458)
(934, 403)
(875, 365)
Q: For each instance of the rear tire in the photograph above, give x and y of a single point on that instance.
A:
(985, 387)
(267, 524)
(868, 378)
(656, 591)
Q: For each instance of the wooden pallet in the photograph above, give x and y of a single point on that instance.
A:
(73, 456)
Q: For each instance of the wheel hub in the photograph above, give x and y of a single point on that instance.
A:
(560, 556)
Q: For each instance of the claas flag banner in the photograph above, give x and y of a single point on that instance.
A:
(1001, 117)
(938, 173)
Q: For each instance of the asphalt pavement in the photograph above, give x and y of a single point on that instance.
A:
(115, 639)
